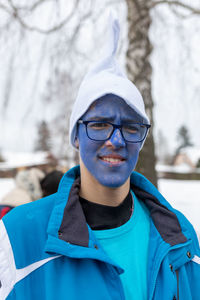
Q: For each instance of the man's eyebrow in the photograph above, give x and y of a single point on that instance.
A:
(111, 119)
(96, 118)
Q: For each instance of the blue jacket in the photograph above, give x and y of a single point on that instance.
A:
(47, 251)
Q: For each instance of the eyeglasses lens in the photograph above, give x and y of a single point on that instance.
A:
(134, 132)
(99, 131)
(102, 131)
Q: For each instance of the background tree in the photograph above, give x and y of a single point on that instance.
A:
(139, 66)
(198, 164)
(43, 142)
(184, 139)
(1, 157)
(162, 150)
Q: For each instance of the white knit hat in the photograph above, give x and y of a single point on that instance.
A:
(106, 77)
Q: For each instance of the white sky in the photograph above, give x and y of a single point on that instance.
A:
(183, 195)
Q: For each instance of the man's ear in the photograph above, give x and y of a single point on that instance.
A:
(76, 142)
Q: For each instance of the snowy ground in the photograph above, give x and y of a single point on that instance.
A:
(182, 195)
(185, 196)
(6, 184)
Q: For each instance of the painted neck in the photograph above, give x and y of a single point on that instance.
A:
(93, 191)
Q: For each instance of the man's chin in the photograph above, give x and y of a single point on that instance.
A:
(112, 182)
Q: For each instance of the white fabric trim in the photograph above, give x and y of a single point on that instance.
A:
(196, 259)
(22, 273)
(7, 264)
(198, 237)
(9, 275)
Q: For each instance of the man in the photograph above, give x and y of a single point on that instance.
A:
(107, 233)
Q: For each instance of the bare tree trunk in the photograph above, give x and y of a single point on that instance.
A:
(140, 72)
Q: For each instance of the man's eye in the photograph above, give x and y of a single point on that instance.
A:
(131, 128)
(98, 125)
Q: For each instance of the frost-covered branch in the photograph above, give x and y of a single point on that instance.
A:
(190, 8)
(5, 8)
(15, 11)
(32, 7)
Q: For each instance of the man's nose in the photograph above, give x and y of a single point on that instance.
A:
(117, 139)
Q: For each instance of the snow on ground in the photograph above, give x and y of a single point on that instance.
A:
(6, 185)
(182, 168)
(183, 195)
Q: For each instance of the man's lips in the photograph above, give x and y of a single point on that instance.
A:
(112, 158)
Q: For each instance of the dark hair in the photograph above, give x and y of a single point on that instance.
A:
(50, 182)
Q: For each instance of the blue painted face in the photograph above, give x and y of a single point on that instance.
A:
(109, 162)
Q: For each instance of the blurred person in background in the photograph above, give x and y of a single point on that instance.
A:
(27, 189)
(50, 183)
(31, 185)
(107, 234)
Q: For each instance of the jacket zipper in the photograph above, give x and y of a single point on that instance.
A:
(177, 277)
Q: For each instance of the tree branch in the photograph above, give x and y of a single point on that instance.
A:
(15, 13)
(179, 14)
(5, 8)
(193, 10)
(76, 31)
(32, 7)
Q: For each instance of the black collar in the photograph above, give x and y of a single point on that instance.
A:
(101, 217)
(74, 227)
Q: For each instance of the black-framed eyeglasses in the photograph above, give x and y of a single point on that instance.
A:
(102, 131)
